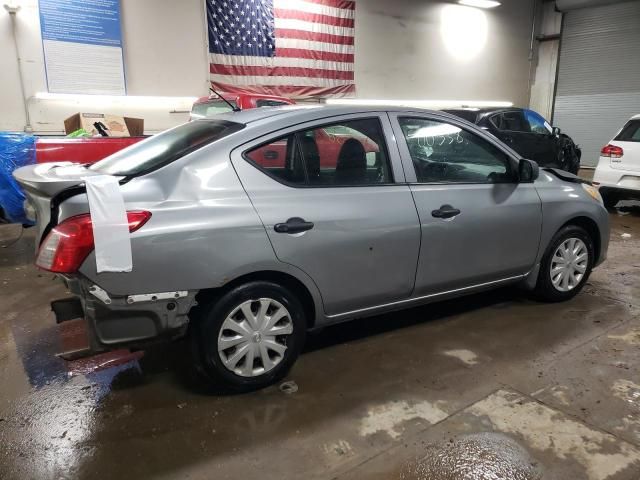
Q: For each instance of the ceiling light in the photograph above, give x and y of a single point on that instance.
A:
(118, 100)
(464, 31)
(479, 3)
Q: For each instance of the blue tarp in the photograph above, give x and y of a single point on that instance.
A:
(16, 150)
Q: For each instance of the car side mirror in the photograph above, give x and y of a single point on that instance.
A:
(528, 170)
(555, 131)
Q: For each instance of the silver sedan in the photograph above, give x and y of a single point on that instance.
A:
(245, 231)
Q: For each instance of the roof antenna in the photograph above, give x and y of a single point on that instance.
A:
(234, 108)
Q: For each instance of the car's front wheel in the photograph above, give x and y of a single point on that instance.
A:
(566, 265)
(249, 337)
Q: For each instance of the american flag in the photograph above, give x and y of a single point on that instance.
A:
(294, 48)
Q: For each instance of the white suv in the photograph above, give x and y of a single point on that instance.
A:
(618, 171)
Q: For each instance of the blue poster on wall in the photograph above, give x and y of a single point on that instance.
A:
(82, 43)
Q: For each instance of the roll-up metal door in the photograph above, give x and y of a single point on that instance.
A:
(598, 74)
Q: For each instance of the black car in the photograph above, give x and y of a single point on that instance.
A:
(528, 133)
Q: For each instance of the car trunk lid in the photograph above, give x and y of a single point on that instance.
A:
(44, 185)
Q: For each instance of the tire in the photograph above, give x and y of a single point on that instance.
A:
(610, 199)
(231, 319)
(545, 289)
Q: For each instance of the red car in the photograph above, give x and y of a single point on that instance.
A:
(207, 106)
(328, 140)
(90, 150)
(80, 150)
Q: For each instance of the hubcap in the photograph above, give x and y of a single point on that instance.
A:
(253, 337)
(569, 264)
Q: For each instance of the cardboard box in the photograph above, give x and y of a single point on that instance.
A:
(116, 125)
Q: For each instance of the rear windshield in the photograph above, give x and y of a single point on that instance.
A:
(212, 107)
(166, 147)
(630, 132)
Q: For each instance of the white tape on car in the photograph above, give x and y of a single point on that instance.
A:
(110, 225)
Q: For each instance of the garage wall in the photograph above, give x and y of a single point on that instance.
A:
(163, 53)
(401, 52)
(599, 74)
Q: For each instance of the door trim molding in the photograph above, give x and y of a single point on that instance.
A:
(426, 297)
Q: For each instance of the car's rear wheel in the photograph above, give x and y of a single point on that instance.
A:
(566, 265)
(249, 337)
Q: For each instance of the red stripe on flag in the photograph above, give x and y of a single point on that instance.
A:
(313, 36)
(260, 71)
(314, 54)
(346, 4)
(314, 17)
(287, 90)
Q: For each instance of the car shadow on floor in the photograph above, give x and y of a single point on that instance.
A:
(371, 326)
(175, 357)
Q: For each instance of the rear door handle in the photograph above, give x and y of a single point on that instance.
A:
(293, 225)
(445, 211)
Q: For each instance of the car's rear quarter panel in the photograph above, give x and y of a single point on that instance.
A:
(203, 232)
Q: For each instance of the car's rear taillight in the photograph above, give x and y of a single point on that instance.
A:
(611, 151)
(69, 243)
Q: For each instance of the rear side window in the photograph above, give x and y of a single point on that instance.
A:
(340, 154)
(166, 147)
(630, 132)
(511, 121)
(269, 103)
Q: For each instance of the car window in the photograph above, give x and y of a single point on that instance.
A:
(281, 159)
(513, 121)
(269, 103)
(445, 153)
(537, 124)
(165, 147)
(211, 108)
(630, 132)
(343, 154)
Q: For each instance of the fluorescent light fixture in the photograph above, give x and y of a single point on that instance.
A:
(117, 100)
(480, 3)
(420, 103)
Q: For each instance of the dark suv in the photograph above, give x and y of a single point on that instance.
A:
(528, 133)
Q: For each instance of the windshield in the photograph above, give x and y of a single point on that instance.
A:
(212, 107)
(165, 147)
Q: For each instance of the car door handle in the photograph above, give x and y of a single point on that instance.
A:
(293, 225)
(445, 211)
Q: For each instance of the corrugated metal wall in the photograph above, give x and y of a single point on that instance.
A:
(599, 74)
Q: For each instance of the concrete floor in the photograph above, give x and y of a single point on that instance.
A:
(456, 390)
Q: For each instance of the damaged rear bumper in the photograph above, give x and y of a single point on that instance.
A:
(132, 320)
